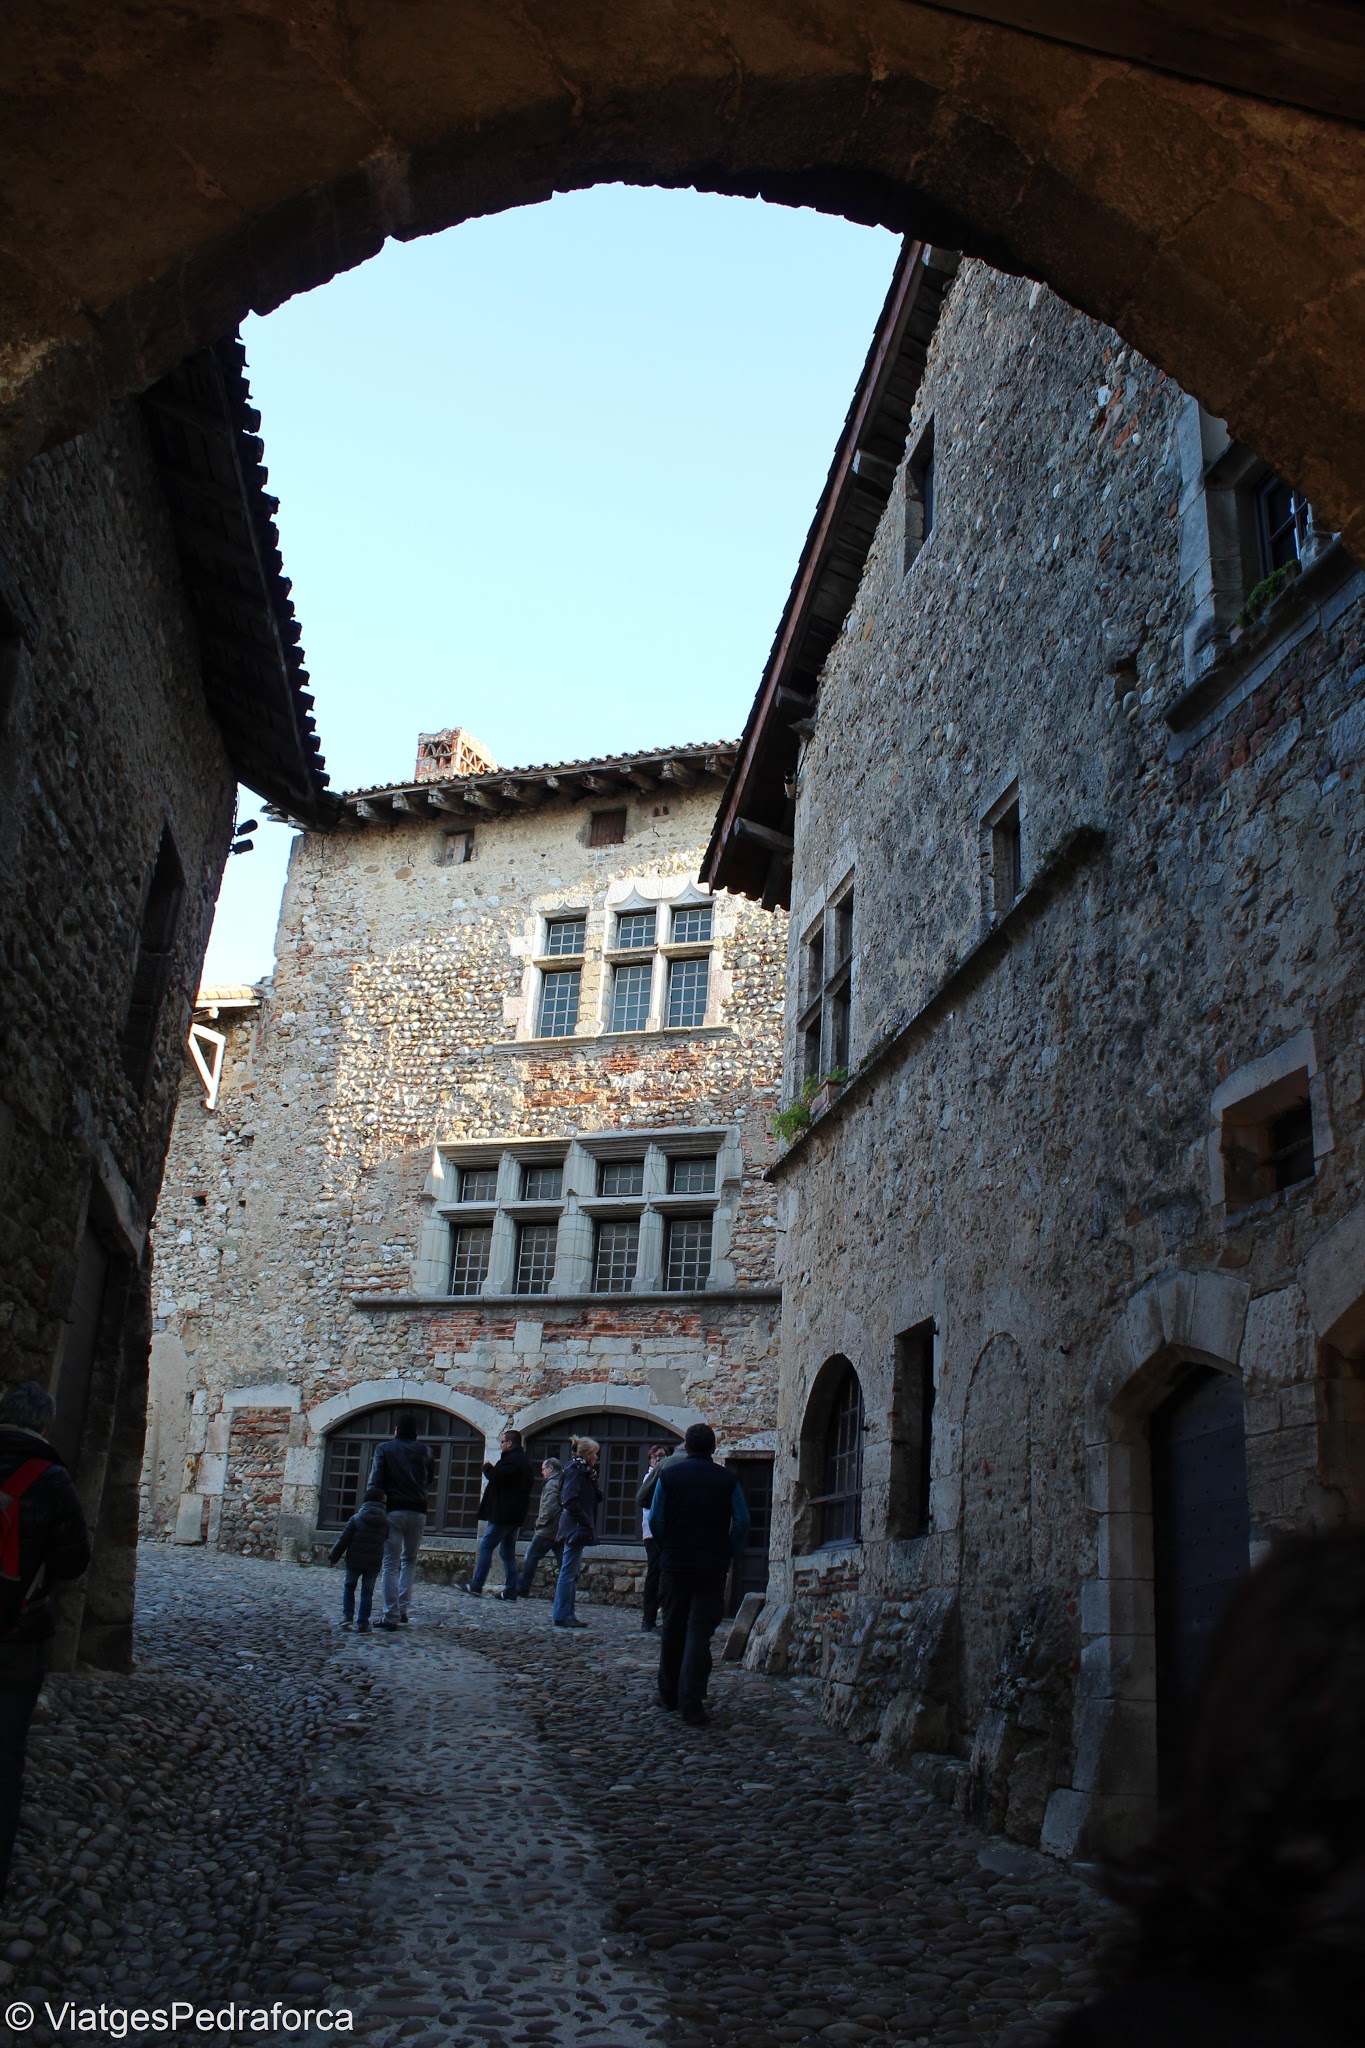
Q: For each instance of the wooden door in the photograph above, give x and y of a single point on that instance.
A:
(750, 1572)
(1200, 1533)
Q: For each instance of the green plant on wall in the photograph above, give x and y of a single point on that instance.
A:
(790, 1122)
(1260, 599)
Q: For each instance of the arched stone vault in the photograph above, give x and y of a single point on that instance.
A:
(166, 170)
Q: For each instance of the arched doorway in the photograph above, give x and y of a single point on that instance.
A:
(829, 1506)
(216, 165)
(625, 1442)
(349, 1453)
(1200, 1536)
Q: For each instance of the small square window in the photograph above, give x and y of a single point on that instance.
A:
(559, 1003)
(1267, 1142)
(691, 1176)
(635, 930)
(688, 985)
(469, 1260)
(564, 935)
(535, 1258)
(1003, 855)
(630, 991)
(616, 1253)
(621, 1177)
(692, 925)
(542, 1183)
(458, 848)
(687, 1252)
(608, 828)
(478, 1183)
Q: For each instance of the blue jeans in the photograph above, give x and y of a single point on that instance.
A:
(407, 1526)
(567, 1582)
(535, 1550)
(365, 1581)
(502, 1537)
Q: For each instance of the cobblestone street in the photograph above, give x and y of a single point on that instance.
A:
(485, 1831)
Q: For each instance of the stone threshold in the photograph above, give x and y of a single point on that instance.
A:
(1077, 850)
(541, 1302)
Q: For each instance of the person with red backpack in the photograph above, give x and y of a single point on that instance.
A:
(42, 1538)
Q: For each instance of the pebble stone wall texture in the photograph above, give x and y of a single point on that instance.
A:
(1027, 1155)
(398, 1019)
(441, 1833)
(105, 740)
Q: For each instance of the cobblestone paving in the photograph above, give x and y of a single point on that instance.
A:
(484, 1831)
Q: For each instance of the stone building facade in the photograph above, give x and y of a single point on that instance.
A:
(491, 1142)
(1057, 763)
(137, 685)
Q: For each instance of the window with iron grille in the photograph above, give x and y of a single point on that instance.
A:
(624, 1454)
(559, 1003)
(630, 988)
(687, 1252)
(635, 930)
(542, 1183)
(478, 1183)
(688, 982)
(535, 1257)
(453, 1496)
(840, 1503)
(564, 935)
(692, 925)
(621, 1177)
(608, 828)
(469, 1259)
(691, 1176)
(616, 1254)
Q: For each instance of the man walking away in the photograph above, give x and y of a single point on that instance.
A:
(700, 1518)
(402, 1473)
(361, 1543)
(644, 1494)
(42, 1538)
(543, 1536)
(506, 1498)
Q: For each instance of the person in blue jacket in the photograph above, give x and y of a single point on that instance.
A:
(700, 1519)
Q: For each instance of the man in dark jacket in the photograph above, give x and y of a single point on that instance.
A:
(506, 1498)
(402, 1472)
(361, 1543)
(699, 1518)
(42, 1538)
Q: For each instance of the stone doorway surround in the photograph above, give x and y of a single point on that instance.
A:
(1299, 1350)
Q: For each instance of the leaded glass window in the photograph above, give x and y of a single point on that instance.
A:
(841, 1502)
(621, 1177)
(635, 930)
(630, 989)
(535, 1257)
(453, 1495)
(478, 1184)
(692, 925)
(469, 1260)
(542, 1183)
(564, 935)
(559, 1002)
(615, 1255)
(691, 1176)
(687, 1252)
(688, 982)
(625, 1442)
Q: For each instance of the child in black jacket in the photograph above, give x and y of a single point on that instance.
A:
(361, 1542)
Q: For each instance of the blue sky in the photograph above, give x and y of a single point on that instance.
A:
(547, 476)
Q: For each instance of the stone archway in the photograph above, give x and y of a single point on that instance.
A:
(166, 171)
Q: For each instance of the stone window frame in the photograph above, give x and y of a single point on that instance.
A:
(811, 1454)
(828, 952)
(579, 1208)
(596, 965)
(1296, 1059)
(919, 513)
(1001, 838)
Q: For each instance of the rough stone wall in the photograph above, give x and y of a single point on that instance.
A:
(1026, 1159)
(104, 740)
(397, 1020)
